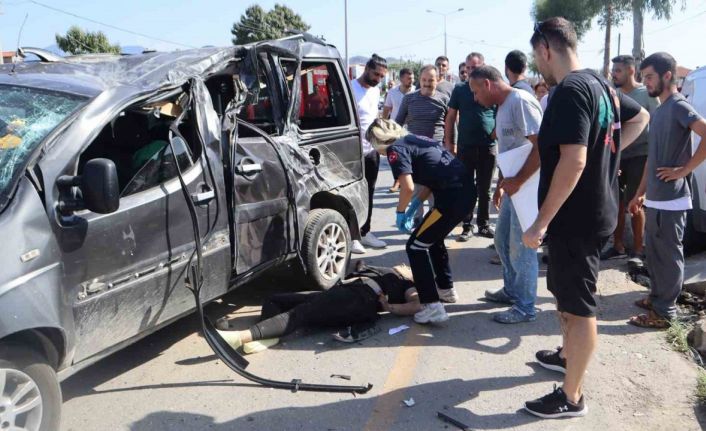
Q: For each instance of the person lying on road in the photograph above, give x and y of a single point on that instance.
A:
(353, 303)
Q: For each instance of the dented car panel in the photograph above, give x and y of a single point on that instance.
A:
(103, 280)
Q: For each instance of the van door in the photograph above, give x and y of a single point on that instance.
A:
(325, 118)
(260, 192)
(127, 268)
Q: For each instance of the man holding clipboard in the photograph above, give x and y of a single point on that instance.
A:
(517, 125)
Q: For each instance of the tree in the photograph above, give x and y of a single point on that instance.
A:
(77, 41)
(661, 9)
(256, 24)
(582, 13)
(610, 13)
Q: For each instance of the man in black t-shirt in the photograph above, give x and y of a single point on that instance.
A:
(582, 132)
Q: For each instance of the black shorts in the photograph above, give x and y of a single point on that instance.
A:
(573, 272)
(630, 176)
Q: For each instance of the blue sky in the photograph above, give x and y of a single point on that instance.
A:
(389, 28)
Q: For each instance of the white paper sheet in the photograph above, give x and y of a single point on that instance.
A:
(525, 200)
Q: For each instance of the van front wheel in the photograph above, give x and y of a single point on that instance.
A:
(326, 248)
(30, 395)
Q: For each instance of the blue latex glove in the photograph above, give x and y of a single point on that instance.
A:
(403, 224)
(412, 208)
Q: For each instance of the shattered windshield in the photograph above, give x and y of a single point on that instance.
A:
(27, 116)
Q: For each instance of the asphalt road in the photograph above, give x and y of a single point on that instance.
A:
(473, 369)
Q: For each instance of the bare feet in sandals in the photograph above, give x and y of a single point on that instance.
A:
(650, 320)
(644, 303)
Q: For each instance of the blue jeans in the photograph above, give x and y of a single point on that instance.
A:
(520, 266)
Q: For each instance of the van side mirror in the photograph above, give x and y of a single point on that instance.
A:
(100, 192)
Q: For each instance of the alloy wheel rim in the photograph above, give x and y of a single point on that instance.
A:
(331, 251)
(20, 401)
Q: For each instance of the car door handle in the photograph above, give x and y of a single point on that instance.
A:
(248, 168)
(203, 198)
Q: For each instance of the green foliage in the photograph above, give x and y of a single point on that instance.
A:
(415, 66)
(701, 387)
(579, 12)
(676, 336)
(256, 24)
(77, 41)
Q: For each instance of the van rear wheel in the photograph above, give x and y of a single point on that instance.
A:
(30, 395)
(326, 248)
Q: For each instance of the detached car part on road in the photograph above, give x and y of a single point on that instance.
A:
(94, 154)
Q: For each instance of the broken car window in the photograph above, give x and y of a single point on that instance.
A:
(323, 102)
(27, 116)
(258, 106)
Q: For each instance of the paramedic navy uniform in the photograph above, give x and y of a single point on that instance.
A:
(454, 193)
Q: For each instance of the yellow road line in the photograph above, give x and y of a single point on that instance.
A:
(403, 370)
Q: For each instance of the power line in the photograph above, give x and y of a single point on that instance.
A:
(108, 25)
(677, 23)
(481, 42)
(408, 44)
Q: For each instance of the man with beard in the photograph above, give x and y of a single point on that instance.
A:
(462, 73)
(583, 129)
(632, 163)
(393, 100)
(476, 146)
(445, 83)
(666, 181)
(367, 97)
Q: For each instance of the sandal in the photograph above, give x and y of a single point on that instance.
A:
(644, 303)
(650, 320)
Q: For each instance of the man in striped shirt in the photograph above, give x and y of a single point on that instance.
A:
(423, 111)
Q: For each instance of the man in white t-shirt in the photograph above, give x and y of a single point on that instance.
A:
(367, 97)
(393, 100)
(517, 124)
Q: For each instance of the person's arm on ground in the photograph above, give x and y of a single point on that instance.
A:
(674, 173)
(409, 308)
(566, 175)
(449, 130)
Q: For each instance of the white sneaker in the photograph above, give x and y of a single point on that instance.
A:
(431, 313)
(357, 247)
(371, 241)
(448, 295)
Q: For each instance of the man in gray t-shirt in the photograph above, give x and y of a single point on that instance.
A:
(423, 111)
(632, 163)
(517, 123)
(669, 163)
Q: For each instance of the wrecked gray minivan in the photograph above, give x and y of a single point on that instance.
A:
(97, 236)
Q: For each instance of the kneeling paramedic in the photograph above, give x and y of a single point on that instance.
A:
(423, 161)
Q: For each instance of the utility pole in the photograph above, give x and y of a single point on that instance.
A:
(445, 15)
(345, 30)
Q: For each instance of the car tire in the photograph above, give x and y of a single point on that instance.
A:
(21, 366)
(326, 248)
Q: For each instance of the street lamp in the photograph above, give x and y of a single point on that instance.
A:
(445, 15)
